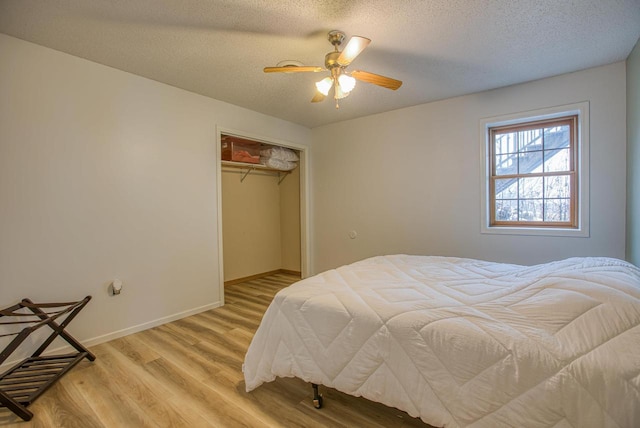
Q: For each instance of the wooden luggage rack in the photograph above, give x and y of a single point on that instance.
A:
(27, 380)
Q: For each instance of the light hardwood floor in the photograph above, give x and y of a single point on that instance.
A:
(188, 374)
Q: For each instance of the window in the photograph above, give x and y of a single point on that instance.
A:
(536, 172)
(533, 174)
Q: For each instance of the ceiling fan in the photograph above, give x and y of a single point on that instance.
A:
(336, 63)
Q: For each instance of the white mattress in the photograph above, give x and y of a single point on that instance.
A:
(461, 342)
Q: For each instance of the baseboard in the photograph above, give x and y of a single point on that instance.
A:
(149, 324)
(120, 333)
(261, 275)
(291, 272)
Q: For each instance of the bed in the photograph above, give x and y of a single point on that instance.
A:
(461, 342)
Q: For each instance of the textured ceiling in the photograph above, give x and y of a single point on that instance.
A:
(439, 48)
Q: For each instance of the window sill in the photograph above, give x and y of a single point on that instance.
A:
(535, 231)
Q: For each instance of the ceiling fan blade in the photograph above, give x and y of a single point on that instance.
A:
(355, 45)
(376, 79)
(318, 97)
(293, 69)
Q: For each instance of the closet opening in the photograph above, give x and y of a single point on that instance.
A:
(262, 188)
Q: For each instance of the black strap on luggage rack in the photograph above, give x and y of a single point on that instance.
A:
(27, 380)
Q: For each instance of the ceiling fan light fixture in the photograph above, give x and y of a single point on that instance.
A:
(335, 62)
(324, 86)
(340, 93)
(347, 83)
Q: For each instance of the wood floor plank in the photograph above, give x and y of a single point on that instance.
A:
(134, 350)
(212, 405)
(200, 326)
(67, 409)
(188, 373)
(180, 355)
(247, 300)
(116, 392)
(233, 317)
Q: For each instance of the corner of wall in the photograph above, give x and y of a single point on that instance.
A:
(633, 156)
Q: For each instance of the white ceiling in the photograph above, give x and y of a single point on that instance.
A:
(438, 48)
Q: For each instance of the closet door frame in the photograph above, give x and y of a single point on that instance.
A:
(304, 197)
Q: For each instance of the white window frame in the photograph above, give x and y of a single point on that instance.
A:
(580, 109)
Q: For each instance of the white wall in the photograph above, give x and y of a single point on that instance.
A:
(633, 156)
(104, 174)
(408, 181)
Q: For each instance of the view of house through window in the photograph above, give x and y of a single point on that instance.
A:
(533, 179)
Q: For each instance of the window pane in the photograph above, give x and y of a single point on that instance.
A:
(557, 160)
(530, 188)
(507, 210)
(531, 210)
(506, 164)
(506, 188)
(533, 172)
(530, 162)
(556, 137)
(558, 186)
(557, 210)
(530, 140)
(505, 143)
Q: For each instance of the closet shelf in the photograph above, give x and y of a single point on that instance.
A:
(255, 167)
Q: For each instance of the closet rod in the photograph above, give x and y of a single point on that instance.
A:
(255, 167)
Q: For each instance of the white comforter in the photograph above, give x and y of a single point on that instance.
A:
(461, 342)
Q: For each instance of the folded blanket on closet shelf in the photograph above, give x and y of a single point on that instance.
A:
(278, 164)
(281, 153)
(279, 158)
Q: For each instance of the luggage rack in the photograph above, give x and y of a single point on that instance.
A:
(27, 380)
